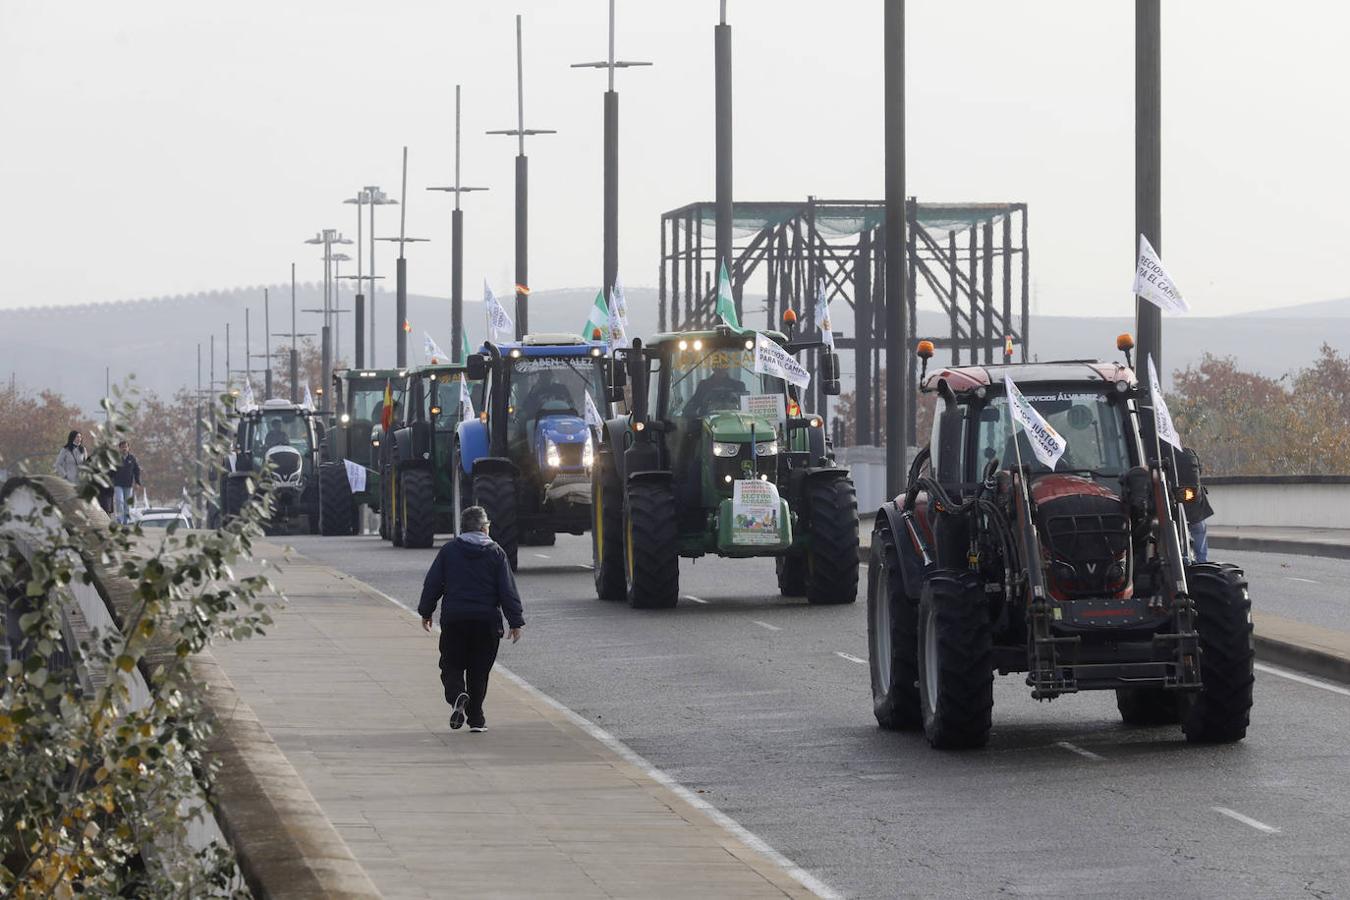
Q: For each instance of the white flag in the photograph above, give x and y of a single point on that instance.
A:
(466, 413)
(247, 402)
(1161, 415)
(356, 476)
(618, 330)
(1152, 282)
(497, 316)
(823, 315)
(771, 359)
(1046, 442)
(308, 402)
(433, 353)
(593, 417)
(620, 304)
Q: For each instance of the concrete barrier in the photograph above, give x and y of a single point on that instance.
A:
(1280, 501)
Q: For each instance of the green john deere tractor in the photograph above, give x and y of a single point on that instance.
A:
(717, 457)
(422, 484)
(358, 404)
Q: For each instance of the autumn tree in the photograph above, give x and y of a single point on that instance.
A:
(33, 428)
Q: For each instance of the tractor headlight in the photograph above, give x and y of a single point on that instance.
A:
(344, 418)
(767, 448)
(552, 458)
(588, 453)
(725, 449)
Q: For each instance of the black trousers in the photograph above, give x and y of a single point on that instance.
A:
(468, 650)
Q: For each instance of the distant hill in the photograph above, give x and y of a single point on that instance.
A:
(67, 348)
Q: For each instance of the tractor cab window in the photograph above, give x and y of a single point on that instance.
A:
(442, 392)
(280, 429)
(543, 386)
(366, 401)
(704, 381)
(1091, 425)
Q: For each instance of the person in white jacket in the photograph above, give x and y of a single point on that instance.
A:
(71, 455)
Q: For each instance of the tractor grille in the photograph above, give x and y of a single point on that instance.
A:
(1087, 539)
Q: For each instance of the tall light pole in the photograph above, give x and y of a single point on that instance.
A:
(898, 399)
(611, 164)
(522, 190)
(401, 274)
(374, 197)
(338, 260)
(327, 238)
(1148, 174)
(457, 250)
(722, 150)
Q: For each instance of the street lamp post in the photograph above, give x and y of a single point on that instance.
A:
(611, 163)
(374, 197)
(401, 274)
(1148, 175)
(522, 190)
(327, 238)
(898, 399)
(457, 250)
(338, 260)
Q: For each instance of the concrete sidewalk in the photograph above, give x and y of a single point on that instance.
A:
(346, 683)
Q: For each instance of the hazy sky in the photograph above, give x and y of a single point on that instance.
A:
(159, 147)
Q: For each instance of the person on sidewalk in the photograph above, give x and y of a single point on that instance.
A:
(126, 478)
(472, 581)
(71, 456)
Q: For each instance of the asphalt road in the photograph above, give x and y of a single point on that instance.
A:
(762, 704)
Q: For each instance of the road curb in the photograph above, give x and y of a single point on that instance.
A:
(1279, 545)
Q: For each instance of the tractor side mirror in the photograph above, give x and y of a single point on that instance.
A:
(476, 367)
(618, 377)
(829, 374)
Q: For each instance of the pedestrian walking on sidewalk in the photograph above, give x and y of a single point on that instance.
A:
(71, 456)
(472, 581)
(126, 478)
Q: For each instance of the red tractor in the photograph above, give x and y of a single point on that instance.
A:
(1079, 575)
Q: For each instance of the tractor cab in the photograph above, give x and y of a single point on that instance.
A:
(282, 441)
(358, 402)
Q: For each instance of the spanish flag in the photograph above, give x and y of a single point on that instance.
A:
(387, 414)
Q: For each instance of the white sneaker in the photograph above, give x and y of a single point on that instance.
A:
(457, 712)
(477, 729)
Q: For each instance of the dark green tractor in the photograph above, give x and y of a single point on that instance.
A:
(423, 488)
(358, 404)
(717, 457)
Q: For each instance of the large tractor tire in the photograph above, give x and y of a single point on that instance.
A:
(1221, 711)
(335, 499)
(832, 558)
(1148, 706)
(386, 503)
(234, 493)
(955, 656)
(651, 547)
(791, 570)
(496, 493)
(418, 508)
(892, 639)
(461, 490)
(607, 529)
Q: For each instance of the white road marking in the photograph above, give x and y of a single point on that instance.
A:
(694, 599)
(850, 657)
(543, 556)
(584, 566)
(1305, 580)
(1074, 748)
(1245, 820)
(746, 836)
(1303, 679)
(766, 625)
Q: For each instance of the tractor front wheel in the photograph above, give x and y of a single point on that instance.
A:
(892, 639)
(496, 493)
(234, 494)
(791, 569)
(418, 508)
(607, 529)
(955, 655)
(1221, 711)
(832, 559)
(335, 499)
(651, 547)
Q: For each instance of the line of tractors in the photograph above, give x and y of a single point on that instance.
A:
(1080, 575)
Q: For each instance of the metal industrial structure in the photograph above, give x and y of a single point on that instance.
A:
(970, 257)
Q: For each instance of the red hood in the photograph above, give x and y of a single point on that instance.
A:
(1052, 487)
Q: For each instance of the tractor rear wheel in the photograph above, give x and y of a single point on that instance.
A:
(832, 559)
(418, 508)
(395, 506)
(791, 569)
(651, 546)
(892, 639)
(955, 655)
(1221, 711)
(496, 493)
(607, 529)
(386, 494)
(335, 499)
(1148, 706)
(234, 494)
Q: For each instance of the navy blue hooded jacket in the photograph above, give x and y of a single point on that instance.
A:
(473, 581)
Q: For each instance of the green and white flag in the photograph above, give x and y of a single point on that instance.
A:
(599, 318)
(726, 304)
